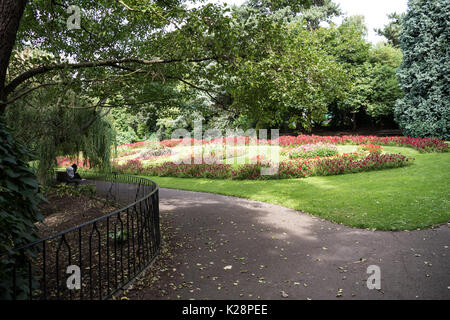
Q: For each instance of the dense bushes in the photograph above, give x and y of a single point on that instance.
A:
(64, 190)
(19, 199)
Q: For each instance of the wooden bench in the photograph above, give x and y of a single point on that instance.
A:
(62, 176)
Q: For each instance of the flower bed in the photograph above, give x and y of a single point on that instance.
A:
(313, 150)
(67, 162)
(301, 156)
(420, 144)
(374, 161)
(133, 145)
(370, 148)
(133, 166)
(171, 169)
(288, 169)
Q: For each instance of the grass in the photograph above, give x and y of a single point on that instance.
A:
(408, 198)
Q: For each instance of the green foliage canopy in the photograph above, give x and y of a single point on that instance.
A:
(424, 74)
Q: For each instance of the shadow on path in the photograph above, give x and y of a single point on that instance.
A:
(220, 247)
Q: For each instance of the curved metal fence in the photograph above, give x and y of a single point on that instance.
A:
(97, 258)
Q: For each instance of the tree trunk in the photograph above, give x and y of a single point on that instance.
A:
(11, 12)
(354, 122)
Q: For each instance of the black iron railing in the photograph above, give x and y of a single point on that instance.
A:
(95, 259)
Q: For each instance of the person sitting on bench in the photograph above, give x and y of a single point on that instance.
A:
(69, 171)
(72, 172)
(75, 174)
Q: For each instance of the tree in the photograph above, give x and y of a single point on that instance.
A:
(424, 111)
(372, 69)
(122, 49)
(313, 12)
(59, 121)
(393, 29)
(294, 82)
(320, 11)
(61, 124)
(271, 6)
(384, 61)
(279, 75)
(11, 12)
(347, 44)
(119, 45)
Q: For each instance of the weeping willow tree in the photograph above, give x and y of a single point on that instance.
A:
(60, 122)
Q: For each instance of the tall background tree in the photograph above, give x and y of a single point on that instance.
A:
(393, 29)
(424, 75)
(11, 12)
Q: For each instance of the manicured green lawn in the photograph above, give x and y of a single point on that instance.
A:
(416, 196)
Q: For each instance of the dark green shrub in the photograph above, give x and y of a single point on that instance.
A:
(63, 190)
(19, 200)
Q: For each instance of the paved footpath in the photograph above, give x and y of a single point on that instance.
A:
(219, 247)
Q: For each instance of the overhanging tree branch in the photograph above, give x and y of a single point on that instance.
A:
(207, 91)
(92, 64)
(55, 83)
